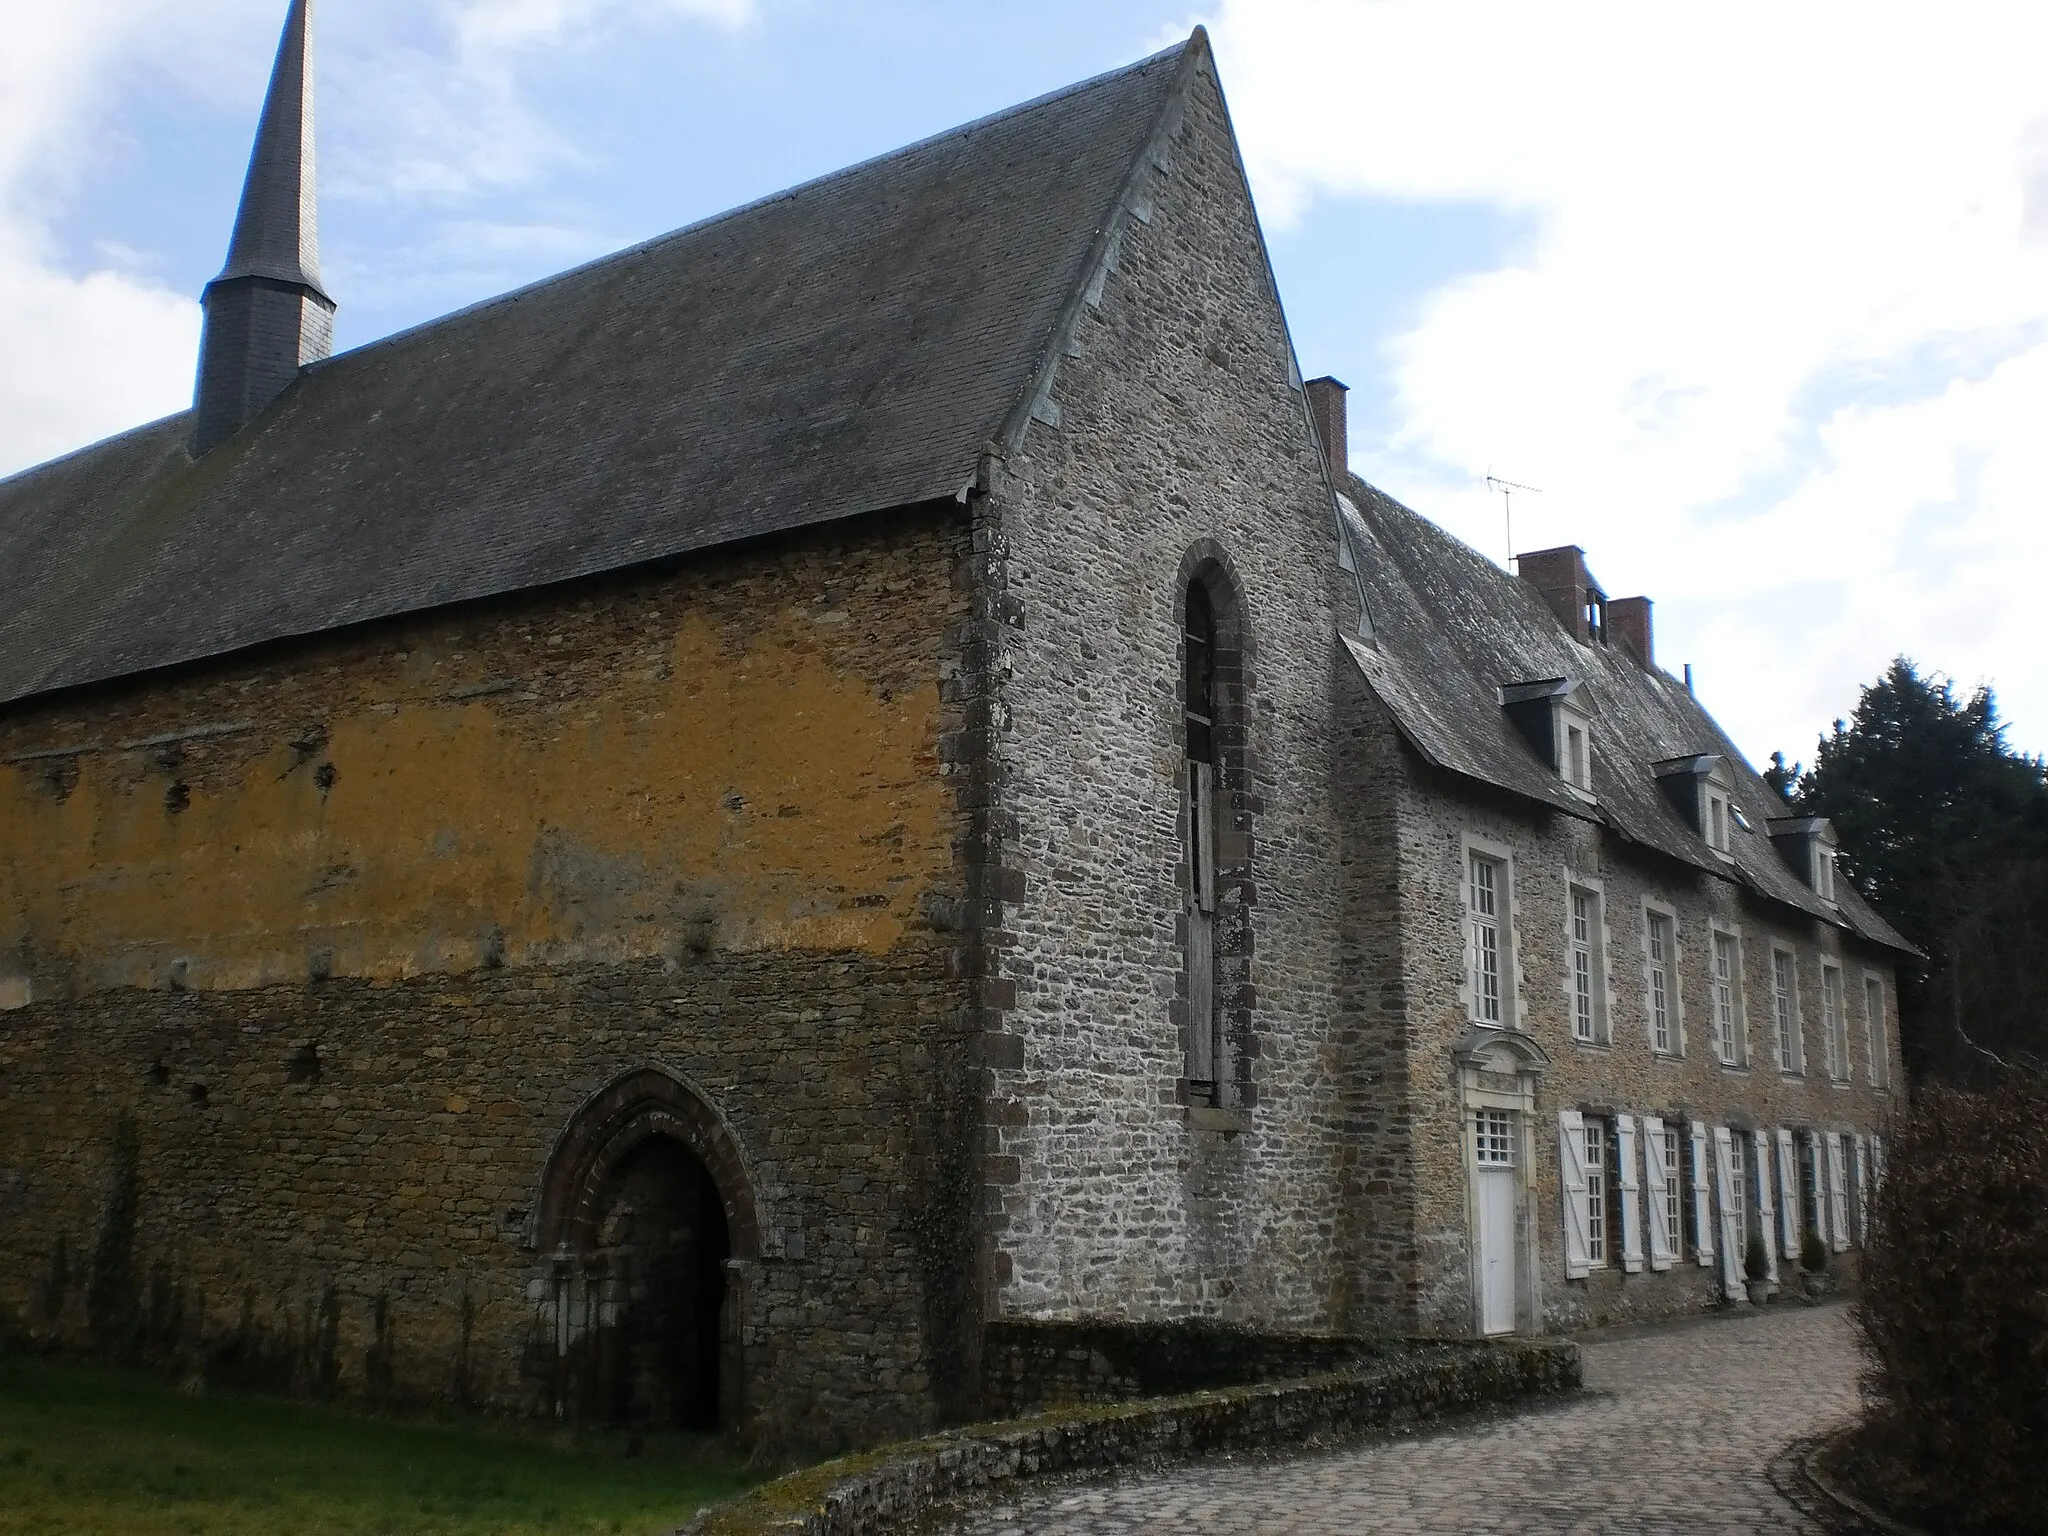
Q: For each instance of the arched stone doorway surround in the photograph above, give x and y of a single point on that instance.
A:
(1499, 1072)
(646, 1114)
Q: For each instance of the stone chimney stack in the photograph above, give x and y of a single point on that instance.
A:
(266, 314)
(1628, 620)
(1326, 403)
(1568, 587)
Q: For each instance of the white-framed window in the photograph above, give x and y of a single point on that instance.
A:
(1723, 986)
(1575, 754)
(1489, 938)
(1596, 1190)
(1717, 807)
(1785, 1010)
(1810, 1188)
(1674, 1192)
(1660, 965)
(1823, 871)
(1878, 1053)
(1586, 977)
(1484, 890)
(1731, 1012)
(1493, 1138)
(1835, 1028)
(1738, 1181)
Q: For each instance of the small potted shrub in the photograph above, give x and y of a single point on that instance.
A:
(1756, 1269)
(1813, 1259)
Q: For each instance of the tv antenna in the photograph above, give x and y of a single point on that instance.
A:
(1507, 489)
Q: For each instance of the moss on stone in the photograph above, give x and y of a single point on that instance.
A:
(1408, 1388)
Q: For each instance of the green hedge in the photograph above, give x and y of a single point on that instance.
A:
(1953, 1314)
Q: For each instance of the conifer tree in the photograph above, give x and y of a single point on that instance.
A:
(1945, 829)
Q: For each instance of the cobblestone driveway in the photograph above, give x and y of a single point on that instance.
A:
(1673, 1434)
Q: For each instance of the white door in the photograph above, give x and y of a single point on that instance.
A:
(1494, 1199)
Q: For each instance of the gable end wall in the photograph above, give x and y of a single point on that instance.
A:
(1175, 425)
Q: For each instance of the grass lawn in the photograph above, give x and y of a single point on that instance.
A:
(86, 1448)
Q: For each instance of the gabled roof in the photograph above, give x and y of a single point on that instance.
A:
(844, 347)
(1451, 629)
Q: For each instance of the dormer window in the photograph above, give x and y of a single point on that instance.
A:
(1808, 846)
(1553, 718)
(1702, 790)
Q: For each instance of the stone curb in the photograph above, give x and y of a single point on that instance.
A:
(890, 1488)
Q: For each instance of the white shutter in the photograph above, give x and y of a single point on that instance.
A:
(1838, 1192)
(1788, 1195)
(1631, 1194)
(1571, 1168)
(1766, 1213)
(1731, 1234)
(1702, 1202)
(1655, 1192)
(1859, 1171)
(1816, 1148)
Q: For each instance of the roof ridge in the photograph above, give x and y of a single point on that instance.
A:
(710, 221)
(1505, 580)
(30, 471)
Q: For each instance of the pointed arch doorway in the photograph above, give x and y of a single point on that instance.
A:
(648, 1216)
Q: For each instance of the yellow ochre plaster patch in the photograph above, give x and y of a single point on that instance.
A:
(744, 796)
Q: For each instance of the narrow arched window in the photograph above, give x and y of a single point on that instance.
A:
(1200, 682)
(1198, 693)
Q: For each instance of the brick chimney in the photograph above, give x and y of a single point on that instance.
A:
(1326, 405)
(1628, 620)
(1568, 587)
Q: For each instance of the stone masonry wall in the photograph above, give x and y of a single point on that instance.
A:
(1029, 1366)
(313, 954)
(1175, 431)
(1623, 1075)
(1380, 1235)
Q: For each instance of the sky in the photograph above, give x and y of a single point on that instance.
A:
(1755, 300)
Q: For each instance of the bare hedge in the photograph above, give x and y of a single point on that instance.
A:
(1953, 1315)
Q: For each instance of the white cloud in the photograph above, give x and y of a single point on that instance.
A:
(423, 104)
(88, 352)
(1778, 353)
(444, 112)
(85, 355)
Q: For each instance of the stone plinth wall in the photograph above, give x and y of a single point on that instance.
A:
(890, 1489)
(1029, 1365)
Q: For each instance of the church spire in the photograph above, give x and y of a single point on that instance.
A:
(266, 314)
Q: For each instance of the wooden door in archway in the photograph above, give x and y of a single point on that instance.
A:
(658, 1270)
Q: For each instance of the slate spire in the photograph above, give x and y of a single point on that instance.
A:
(266, 314)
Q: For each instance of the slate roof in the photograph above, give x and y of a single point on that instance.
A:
(847, 346)
(1451, 629)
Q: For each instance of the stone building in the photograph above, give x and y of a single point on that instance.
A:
(680, 843)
